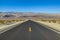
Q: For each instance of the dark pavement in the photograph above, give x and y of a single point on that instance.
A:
(37, 32)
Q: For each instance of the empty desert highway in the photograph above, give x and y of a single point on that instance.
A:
(29, 30)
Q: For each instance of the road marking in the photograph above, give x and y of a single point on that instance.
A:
(30, 29)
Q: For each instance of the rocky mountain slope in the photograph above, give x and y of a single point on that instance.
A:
(28, 14)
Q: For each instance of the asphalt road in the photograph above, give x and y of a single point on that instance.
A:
(29, 30)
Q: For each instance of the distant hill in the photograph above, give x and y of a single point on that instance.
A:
(28, 15)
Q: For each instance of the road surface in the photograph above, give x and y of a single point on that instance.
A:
(29, 30)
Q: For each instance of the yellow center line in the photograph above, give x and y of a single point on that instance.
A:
(30, 29)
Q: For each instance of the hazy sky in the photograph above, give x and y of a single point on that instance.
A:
(47, 6)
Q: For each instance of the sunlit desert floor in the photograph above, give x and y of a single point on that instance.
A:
(5, 27)
(55, 26)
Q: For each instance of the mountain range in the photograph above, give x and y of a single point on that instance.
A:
(29, 15)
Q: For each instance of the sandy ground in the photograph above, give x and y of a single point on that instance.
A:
(54, 26)
(4, 28)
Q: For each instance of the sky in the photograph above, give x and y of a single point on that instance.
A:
(43, 6)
